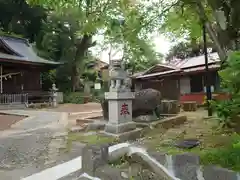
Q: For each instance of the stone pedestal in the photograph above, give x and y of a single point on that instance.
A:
(120, 112)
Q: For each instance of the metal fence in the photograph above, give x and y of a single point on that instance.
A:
(13, 99)
(31, 97)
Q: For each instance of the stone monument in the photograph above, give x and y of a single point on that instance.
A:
(119, 100)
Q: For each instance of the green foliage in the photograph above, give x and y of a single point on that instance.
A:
(90, 75)
(74, 97)
(68, 32)
(182, 21)
(78, 97)
(230, 75)
(185, 50)
(19, 18)
(228, 157)
(131, 33)
(48, 78)
(228, 110)
(2, 33)
(60, 36)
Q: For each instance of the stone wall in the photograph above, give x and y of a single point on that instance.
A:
(182, 166)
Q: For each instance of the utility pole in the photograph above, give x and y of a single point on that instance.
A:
(207, 84)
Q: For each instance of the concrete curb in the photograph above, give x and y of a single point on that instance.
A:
(64, 119)
(9, 112)
(82, 113)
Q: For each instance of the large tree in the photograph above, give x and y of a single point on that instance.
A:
(119, 21)
(70, 28)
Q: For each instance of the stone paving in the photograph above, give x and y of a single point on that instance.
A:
(32, 144)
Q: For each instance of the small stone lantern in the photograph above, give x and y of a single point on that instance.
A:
(54, 90)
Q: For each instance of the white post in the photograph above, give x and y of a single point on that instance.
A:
(1, 80)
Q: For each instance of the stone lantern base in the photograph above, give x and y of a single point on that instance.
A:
(120, 122)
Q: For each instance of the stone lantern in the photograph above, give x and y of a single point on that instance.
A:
(119, 102)
(54, 90)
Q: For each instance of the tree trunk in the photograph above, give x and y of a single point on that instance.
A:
(219, 47)
(75, 78)
(82, 48)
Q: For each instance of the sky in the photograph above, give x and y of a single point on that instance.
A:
(162, 45)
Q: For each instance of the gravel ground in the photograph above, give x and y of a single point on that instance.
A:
(31, 145)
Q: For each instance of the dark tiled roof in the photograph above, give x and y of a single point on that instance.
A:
(22, 51)
(196, 61)
(159, 73)
(186, 65)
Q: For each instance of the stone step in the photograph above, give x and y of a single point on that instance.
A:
(85, 115)
(187, 167)
(217, 173)
(82, 122)
(76, 129)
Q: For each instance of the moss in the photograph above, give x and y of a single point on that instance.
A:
(217, 147)
(93, 139)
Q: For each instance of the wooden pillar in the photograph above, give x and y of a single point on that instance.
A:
(1, 83)
(203, 82)
(179, 88)
(22, 81)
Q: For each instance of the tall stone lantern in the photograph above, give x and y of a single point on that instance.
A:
(54, 90)
(119, 101)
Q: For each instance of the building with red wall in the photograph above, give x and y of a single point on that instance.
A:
(184, 79)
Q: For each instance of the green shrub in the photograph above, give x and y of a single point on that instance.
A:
(227, 157)
(74, 97)
(227, 110)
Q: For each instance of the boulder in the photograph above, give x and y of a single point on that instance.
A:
(146, 102)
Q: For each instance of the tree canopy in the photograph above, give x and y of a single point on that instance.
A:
(221, 18)
(67, 34)
(63, 30)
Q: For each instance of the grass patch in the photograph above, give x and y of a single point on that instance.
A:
(228, 156)
(217, 147)
(91, 139)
